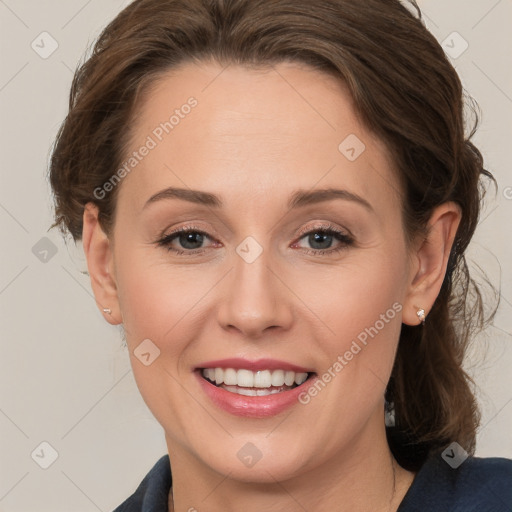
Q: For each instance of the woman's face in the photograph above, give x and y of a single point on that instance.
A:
(295, 264)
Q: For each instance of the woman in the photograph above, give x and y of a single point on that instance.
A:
(274, 199)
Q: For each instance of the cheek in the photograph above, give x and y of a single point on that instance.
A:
(153, 300)
(157, 298)
(360, 307)
(156, 303)
(356, 296)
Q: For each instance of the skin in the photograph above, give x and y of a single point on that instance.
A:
(255, 137)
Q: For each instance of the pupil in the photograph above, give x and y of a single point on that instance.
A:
(188, 238)
(317, 238)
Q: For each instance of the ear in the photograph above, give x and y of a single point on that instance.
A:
(430, 259)
(100, 264)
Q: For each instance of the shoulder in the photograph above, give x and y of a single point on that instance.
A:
(494, 471)
(476, 484)
(152, 493)
(485, 483)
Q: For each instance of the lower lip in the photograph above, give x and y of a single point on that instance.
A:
(252, 406)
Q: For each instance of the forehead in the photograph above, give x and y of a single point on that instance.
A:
(269, 129)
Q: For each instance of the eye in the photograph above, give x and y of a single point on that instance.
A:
(189, 238)
(322, 237)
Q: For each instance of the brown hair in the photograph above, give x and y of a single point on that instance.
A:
(405, 90)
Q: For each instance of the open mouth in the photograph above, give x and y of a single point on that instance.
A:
(258, 383)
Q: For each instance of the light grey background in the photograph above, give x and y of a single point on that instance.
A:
(64, 376)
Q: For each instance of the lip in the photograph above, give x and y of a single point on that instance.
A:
(252, 406)
(239, 363)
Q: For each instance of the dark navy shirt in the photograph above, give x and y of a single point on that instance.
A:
(477, 485)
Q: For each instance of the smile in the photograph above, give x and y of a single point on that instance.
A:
(254, 383)
(256, 389)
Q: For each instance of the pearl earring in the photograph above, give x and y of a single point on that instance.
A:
(107, 311)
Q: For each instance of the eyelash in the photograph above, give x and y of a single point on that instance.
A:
(345, 239)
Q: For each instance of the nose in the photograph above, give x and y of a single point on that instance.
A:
(255, 300)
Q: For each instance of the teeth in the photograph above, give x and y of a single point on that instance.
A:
(245, 378)
(229, 378)
(289, 378)
(210, 373)
(261, 379)
(218, 375)
(248, 379)
(277, 378)
(251, 391)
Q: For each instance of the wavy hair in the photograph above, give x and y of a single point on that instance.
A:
(405, 90)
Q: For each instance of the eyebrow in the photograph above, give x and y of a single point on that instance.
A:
(298, 199)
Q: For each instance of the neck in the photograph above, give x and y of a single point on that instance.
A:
(364, 477)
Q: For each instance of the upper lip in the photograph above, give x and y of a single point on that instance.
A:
(239, 363)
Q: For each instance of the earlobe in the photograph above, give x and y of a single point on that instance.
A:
(431, 260)
(99, 256)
